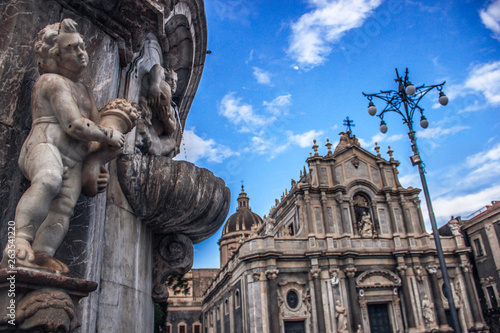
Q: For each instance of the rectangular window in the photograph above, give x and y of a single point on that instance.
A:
(168, 329)
(479, 247)
(492, 297)
(182, 328)
(197, 328)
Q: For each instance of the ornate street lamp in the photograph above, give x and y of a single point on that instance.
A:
(408, 96)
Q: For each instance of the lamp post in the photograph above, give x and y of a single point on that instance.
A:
(408, 96)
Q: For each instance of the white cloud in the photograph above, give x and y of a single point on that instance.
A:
(316, 31)
(262, 76)
(378, 138)
(453, 204)
(438, 132)
(278, 105)
(194, 148)
(304, 140)
(491, 18)
(483, 157)
(241, 114)
(485, 79)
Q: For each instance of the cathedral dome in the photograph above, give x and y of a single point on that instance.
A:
(243, 219)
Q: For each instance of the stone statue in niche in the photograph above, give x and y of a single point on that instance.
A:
(428, 311)
(65, 124)
(341, 315)
(366, 226)
(334, 280)
(156, 132)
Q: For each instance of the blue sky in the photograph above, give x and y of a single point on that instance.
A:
(282, 73)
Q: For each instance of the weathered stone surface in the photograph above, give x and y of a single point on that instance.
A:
(174, 196)
(43, 302)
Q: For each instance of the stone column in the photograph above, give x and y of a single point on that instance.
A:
(436, 293)
(353, 218)
(272, 296)
(353, 298)
(310, 222)
(406, 297)
(315, 272)
(471, 294)
(326, 224)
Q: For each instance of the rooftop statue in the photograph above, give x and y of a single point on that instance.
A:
(66, 129)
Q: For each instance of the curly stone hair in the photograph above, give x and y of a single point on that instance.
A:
(46, 48)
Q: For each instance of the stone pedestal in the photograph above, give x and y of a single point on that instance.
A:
(42, 302)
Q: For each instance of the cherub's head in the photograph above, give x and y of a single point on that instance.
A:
(59, 46)
(171, 79)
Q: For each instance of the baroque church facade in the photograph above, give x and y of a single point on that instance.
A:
(344, 250)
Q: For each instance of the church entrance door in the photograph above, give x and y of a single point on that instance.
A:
(294, 327)
(379, 318)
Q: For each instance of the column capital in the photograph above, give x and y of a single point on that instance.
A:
(402, 269)
(350, 271)
(315, 272)
(432, 269)
(466, 267)
(272, 274)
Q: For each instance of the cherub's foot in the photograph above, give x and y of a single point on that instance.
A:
(20, 255)
(24, 252)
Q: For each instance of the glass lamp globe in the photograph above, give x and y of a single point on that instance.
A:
(372, 109)
(383, 127)
(410, 89)
(443, 99)
(424, 123)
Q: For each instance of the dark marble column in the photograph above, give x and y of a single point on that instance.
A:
(272, 296)
(436, 296)
(471, 294)
(406, 297)
(315, 272)
(354, 308)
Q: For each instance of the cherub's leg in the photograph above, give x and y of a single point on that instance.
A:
(52, 231)
(168, 146)
(45, 169)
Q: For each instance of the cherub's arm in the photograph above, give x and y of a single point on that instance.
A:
(155, 75)
(70, 118)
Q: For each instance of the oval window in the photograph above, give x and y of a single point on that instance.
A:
(292, 299)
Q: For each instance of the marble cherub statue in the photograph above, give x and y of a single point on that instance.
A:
(65, 123)
(156, 132)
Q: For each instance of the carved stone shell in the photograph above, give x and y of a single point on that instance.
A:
(173, 196)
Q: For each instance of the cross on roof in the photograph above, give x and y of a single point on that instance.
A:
(348, 123)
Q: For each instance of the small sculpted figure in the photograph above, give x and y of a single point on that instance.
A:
(65, 122)
(341, 315)
(366, 226)
(157, 129)
(334, 278)
(428, 311)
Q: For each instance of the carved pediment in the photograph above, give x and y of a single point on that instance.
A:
(378, 279)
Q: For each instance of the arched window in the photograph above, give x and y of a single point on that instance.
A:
(237, 298)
